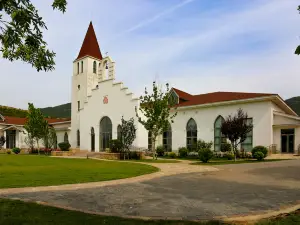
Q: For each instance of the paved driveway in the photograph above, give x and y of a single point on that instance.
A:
(234, 190)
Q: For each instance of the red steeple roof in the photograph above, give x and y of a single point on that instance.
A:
(90, 46)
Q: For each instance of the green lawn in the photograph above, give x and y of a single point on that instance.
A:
(29, 170)
(17, 213)
(239, 161)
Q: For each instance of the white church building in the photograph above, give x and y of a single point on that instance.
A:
(99, 102)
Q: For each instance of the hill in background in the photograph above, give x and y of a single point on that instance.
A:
(64, 110)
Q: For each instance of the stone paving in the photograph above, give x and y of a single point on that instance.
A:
(234, 190)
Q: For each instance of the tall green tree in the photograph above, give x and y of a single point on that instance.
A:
(35, 124)
(155, 112)
(128, 134)
(298, 48)
(21, 35)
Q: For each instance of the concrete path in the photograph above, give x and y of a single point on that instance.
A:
(197, 193)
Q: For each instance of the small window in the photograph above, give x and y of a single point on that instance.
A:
(81, 66)
(78, 87)
(97, 86)
(78, 68)
(66, 137)
(78, 105)
(94, 67)
(78, 138)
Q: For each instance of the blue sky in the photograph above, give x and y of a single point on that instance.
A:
(198, 46)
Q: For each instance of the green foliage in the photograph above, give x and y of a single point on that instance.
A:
(8, 152)
(294, 103)
(260, 148)
(64, 146)
(116, 145)
(10, 111)
(226, 147)
(155, 108)
(172, 155)
(229, 156)
(183, 152)
(160, 150)
(135, 155)
(205, 154)
(35, 125)
(21, 35)
(16, 150)
(49, 137)
(128, 133)
(29, 140)
(60, 111)
(204, 145)
(259, 155)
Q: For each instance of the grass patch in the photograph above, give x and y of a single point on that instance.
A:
(239, 161)
(18, 212)
(155, 161)
(29, 170)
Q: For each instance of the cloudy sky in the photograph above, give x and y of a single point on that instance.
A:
(197, 46)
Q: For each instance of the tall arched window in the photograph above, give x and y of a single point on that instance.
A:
(66, 137)
(92, 139)
(219, 139)
(78, 138)
(55, 141)
(94, 67)
(149, 141)
(119, 132)
(167, 139)
(105, 133)
(191, 134)
(78, 68)
(81, 66)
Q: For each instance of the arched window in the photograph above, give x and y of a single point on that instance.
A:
(78, 138)
(105, 133)
(119, 132)
(81, 66)
(167, 139)
(92, 139)
(219, 139)
(55, 141)
(191, 134)
(247, 145)
(78, 68)
(149, 141)
(94, 67)
(66, 137)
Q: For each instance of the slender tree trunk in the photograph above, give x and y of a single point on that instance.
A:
(153, 148)
(37, 142)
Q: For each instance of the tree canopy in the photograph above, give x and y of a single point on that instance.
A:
(21, 34)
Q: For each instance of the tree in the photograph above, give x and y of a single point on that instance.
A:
(236, 128)
(155, 109)
(298, 48)
(29, 140)
(2, 141)
(35, 124)
(128, 133)
(21, 33)
(49, 136)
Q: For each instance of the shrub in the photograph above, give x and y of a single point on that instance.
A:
(16, 150)
(183, 152)
(260, 148)
(64, 146)
(204, 145)
(205, 155)
(160, 151)
(116, 146)
(8, 152)
(134, 155)
(172, 155)
(225, 147)
(229, 155)
(259, 156)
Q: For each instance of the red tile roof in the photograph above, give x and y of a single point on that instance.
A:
(90, 46)
(21, 121)
(215, 97)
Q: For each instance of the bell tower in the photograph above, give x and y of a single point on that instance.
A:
(89, 68)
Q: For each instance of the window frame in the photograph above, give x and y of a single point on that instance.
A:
(190, 135)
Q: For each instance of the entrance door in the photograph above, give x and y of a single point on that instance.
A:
(287, 140)
(10, 139)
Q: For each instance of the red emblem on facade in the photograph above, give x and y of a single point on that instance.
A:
(105, 100)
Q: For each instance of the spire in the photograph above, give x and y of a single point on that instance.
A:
(90, 45)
